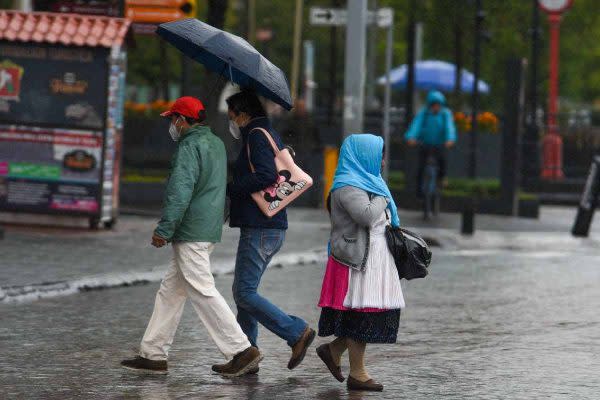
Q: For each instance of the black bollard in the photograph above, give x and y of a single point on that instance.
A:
(468, 221)
(589, 201)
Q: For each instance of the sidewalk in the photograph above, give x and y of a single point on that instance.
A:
(45, 262)
(40, 254)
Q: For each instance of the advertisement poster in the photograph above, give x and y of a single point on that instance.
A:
(68, 91)
(50, 170)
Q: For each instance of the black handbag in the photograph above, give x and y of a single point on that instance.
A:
(411, 253)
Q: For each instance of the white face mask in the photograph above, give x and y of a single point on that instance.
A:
(234, 129)
(174, 132)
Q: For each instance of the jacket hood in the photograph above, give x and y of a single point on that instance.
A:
(436, 97)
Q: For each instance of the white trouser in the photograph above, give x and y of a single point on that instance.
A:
(189, 275)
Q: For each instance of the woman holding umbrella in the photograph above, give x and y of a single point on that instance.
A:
(261, 237)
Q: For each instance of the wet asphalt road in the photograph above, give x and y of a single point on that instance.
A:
(488, 323)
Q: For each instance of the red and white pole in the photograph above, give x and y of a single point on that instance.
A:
(552, 167)
(552, 157)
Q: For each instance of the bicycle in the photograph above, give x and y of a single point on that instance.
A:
(429, 188)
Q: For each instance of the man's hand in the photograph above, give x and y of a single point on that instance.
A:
(158, 241)
(449, 144)
(412, 142)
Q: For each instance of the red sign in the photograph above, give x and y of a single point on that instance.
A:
(10, 80)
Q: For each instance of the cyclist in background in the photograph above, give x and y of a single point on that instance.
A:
(434, 131)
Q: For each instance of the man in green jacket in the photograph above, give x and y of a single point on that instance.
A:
(192, 221)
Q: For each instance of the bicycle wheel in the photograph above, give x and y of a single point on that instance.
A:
(430, 191)
(435, 204)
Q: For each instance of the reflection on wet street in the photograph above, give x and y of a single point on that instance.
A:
(508, 324)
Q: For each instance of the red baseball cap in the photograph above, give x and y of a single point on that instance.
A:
(187, 106)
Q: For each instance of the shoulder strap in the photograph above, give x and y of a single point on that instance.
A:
(271, 142)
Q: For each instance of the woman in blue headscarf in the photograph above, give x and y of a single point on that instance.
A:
(361, 296)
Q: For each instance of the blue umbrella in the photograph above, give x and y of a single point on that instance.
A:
(434, 75)
(228, 55)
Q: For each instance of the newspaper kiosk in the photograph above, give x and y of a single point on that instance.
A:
(62, 89)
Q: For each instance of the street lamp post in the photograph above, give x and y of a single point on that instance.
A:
(410, 61)
(552, 143)
(530, 151)
(479, 17)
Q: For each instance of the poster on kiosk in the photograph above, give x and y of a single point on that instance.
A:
(61, 119)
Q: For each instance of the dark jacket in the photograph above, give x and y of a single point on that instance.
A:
(244, 211)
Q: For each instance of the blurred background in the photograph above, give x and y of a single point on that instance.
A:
(309, 46)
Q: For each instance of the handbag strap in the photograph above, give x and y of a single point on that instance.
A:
(271, 142)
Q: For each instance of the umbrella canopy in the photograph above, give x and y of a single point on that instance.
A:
(228, 55)
(434, 75)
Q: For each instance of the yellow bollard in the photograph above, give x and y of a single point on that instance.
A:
(330, 157)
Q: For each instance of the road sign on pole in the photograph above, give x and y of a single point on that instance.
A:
(328, 16)
(382, 18)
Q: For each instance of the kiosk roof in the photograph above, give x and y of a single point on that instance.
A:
(65, 29)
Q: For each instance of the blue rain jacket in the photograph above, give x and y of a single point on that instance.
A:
(433, 129)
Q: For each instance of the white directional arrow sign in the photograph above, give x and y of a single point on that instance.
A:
(328, 16)
(383, 17)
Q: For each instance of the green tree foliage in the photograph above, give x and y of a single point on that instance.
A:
(507, 21)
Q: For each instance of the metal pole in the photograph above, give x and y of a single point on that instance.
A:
(458, 35)
(387, 98)
(252, 21)
(309, 78)
(332, 69)
(552, 144)
(554, 22)
(185, 75)
(479, 16)
(164, 70)
(296, 49)
(371, 59)
(410, 62)
(530, 152)
(355, 68)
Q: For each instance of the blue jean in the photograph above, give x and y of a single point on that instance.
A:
(256, 249)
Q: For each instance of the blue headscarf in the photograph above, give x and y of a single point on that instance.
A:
(359, 166)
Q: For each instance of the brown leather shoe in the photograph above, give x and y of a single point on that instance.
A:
(142, 364)
(324, 353)
(368, 386)
(241, 364)
(299, 349)
(219, 368)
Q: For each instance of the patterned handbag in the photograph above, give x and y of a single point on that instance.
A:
(291, 182)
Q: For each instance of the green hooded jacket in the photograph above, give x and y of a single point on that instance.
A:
(195, 194)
